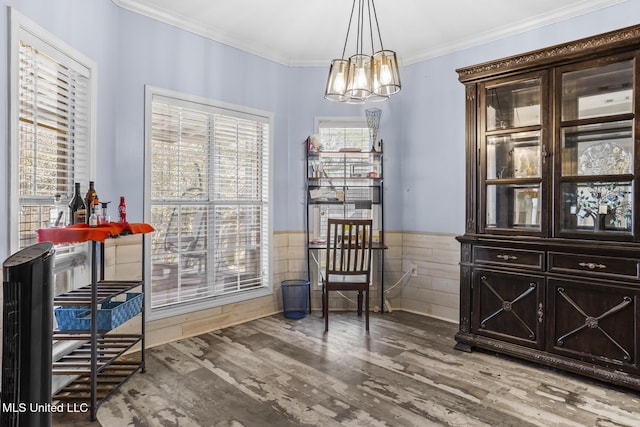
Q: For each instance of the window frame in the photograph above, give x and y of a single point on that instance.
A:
(151, 93)
(24, 29)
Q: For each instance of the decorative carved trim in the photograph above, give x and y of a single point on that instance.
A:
(471, 93)
(629, 35)
(471, 225)
(465, 252)
(464, 324)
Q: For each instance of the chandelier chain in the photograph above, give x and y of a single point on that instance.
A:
(371, 26)
(359, 38)
(375, 15)
(346, 39)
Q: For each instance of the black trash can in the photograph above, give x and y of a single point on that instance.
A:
(295, 298)
(26, 337)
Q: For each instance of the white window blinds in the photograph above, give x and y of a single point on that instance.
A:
(53, 135)
(209, 201)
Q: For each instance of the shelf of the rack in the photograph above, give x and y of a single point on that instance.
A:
(344, 153)
(331, 180)
(109, 348)
(106, 289)
(344, 202)
(79, 390)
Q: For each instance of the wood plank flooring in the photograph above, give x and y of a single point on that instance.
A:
(280, 372)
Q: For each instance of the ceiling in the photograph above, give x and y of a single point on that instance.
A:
(312, 32)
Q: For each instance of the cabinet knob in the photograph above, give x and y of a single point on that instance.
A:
(506, 257)
(592, 265)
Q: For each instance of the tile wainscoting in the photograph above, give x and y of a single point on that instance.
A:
(434, 291)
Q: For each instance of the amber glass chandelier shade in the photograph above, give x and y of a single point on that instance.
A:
(387, 82)
(375, 86)
(337, 80)
(359, 84)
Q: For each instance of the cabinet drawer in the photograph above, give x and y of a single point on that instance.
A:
(532, 260)
(576, 263)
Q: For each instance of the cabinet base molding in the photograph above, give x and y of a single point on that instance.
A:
(467, 342)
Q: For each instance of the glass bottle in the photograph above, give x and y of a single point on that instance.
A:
(91, 199)
(122, 210)
(77, 208)
(104, 218)
(57, 217)
(93, 218)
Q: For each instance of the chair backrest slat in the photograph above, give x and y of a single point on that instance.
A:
(349, 247)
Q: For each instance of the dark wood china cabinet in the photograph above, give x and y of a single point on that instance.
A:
(550, 258)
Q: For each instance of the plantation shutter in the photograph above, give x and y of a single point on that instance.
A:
(209, 201)
(53, 135)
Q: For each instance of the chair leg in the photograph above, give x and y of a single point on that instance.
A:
(359, 303)
(366, 311)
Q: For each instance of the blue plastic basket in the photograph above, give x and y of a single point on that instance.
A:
(111, 314)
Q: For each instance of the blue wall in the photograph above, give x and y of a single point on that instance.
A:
(156, 54)
(432, 119)
(423, 126)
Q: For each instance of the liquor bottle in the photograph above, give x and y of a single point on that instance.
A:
(91, 199)
(57, 217)
(77, 208)
(122, 210)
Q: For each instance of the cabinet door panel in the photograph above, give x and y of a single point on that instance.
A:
(506, 307)
(596, 150)
(593, 322)
(513, 152)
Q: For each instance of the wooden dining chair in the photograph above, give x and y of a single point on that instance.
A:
(348, 265)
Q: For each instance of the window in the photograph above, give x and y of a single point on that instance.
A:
(208, 169)
(336, 134)
(51, 129)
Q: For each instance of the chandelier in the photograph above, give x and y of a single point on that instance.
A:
(363, 77)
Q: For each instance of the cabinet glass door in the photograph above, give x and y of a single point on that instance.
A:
(596, 150)
(513, 152)
(513, 105)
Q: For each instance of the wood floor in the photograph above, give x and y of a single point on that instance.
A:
(280, 372)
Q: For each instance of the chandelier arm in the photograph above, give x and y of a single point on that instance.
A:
(375, 15)
(359, 27)
(346, 39)
(370, 25)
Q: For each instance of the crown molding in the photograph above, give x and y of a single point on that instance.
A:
(511, 29)
(187, 24)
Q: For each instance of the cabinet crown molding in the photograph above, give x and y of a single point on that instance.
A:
(624, 38)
